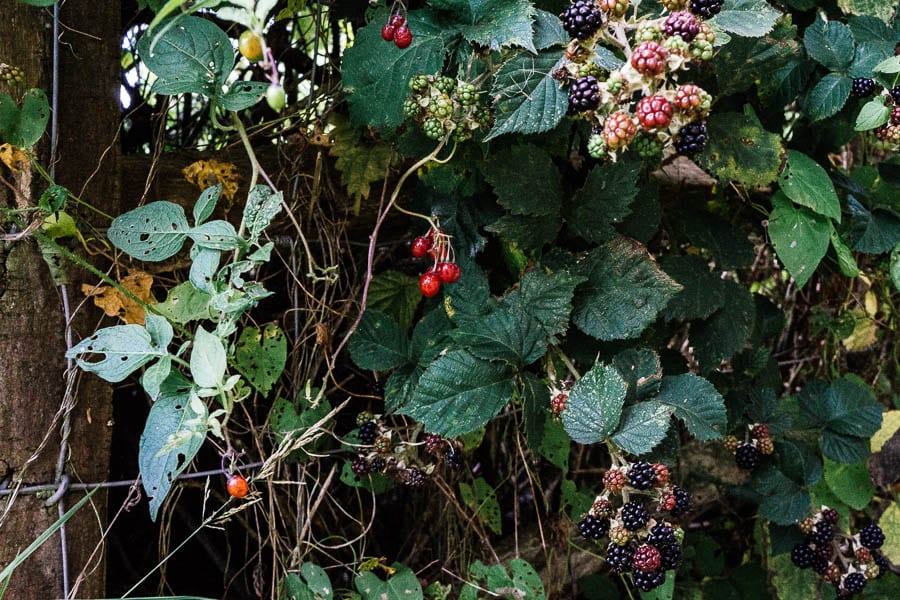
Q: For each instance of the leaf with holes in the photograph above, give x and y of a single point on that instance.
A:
(595, 405)
(125, 348)
(152, 232)
(175, 430)
(243, 94)
(262, 206)
(481, 498)
(403, 584)
(217, 235)
(260, 356)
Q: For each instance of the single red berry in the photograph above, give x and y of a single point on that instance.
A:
(403, 37)
(618, 130)
(429, 284)
(646, 558)
(558, 403)
(662, 474)
(649, 58)
(760, 431)
(387, 32)
(654, 112)
(420, 246)
(397, 20)
(237, 486)
(448, 272)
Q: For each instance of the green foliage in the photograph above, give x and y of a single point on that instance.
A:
(481, 498)
(595, 405)
(260, 355)
(402, 584)
(520, 582)
(741, 150)
(24, 127)
(747, 18)
(800, 237)
(378, 343)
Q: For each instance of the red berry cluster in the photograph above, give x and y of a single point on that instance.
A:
(847, 562)
(436, 244)
(396, 30)
(629, 512)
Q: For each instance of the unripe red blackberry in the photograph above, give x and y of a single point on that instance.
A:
(614, 480)
(747, 456)
(602, 508)
(413, 477)
(662, 474)
(618, 130)
(706, 8)
(359, 466)
(863, 555)
(682, 24)
(649, 58)
(888, 133)
(584, 94)
(692, 100)
(654, 112)
(895, 115)
(760, 431)
(646, 558)
(832, 573)
(434, 444)
(615, 8)
(582, 19)
(558, 403)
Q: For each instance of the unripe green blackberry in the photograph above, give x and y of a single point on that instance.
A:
(483, 116)
(589, 68)
(364, 417)
(419, 83)
(676, 45)
(648, 31)
(619, 535)
(441, 107)
(466, 93)
(614, 8)
(411, 108)
(596, 147)
(730, 443)
(11, 74)
(674, 5)
(444, 84)
(461, 134)
(701, 50)
(433, 128)
(614, 82)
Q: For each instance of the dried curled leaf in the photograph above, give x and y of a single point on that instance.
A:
(207, 173)
(116, 304)
(14, 158)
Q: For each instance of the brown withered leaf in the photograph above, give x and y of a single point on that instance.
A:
(206, 173)
(116, 304)
(13, 157)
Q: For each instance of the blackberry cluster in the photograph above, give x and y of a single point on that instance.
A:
(691, 139)
(593, 528)
(443, 105)
(641, 475)
(747, 456)
(682, 501)
(584, 95)
(862, 87)
(634, 515)
(682, 24)
(582, 19)
(706, 8)
(846, 562)
(11, 74)
(368, 431)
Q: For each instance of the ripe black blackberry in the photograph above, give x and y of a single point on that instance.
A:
(670, 555)
(647, 581)
(359, 466)
(871, 536)
(682, 501)
(706, 8)
(413, 477)
(683, 24)
(368, 432)
(862, 87)
(453, 459)
(746, 456)
(895, 94)
(634, 515)
(619, 557)
(829, 515)
(377, 465)
(854, 582)
(820, 565)
(822, 535)
(691, 139)
(883, 564)
(582, 19)
(661, 535)
(593, 528)
(802, 556)
(641, 475)
(584, 94)
(378, 389)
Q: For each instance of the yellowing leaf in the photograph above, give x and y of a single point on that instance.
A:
(890, 423)
(14, 158)
(359, 165)
(116, 304)
(206, 173)
(864, 332)
(890, 523)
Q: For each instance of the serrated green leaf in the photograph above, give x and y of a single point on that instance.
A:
(208, 360)
(395, 294)
(851, 483)
(378, 344)
(875, 231)
(843, 448)
(745, 60)
(526, 579)
(529, 100)
(125, 348)
(747, 18)
(876, 8)
(499, 24)
(702, 291)
(376, 75)
(482, 499)
(526, 232)
(783, 502)
(173, 434)
(895, 266)
(640, 370)
(260, 355)
(548, 30)
(791, 582)
(262, 206)
(604, 201)
(595, 405)
(873, 114)
(153, 232)
(459, 393)
(697, 403)
(830, 43)
(846, 261)
(727, 330)
(547, 298)
(525, 180)
(827, 97)
(624, 293)
(400, 387)
(430, 337)
(782, 86)
(505, 334)
(373, 482)
(194, 55)
(741, 150)
(471, 297)
(805, 182)
(644, 425)
(800, 237)
(727, 244)
(403, 584)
